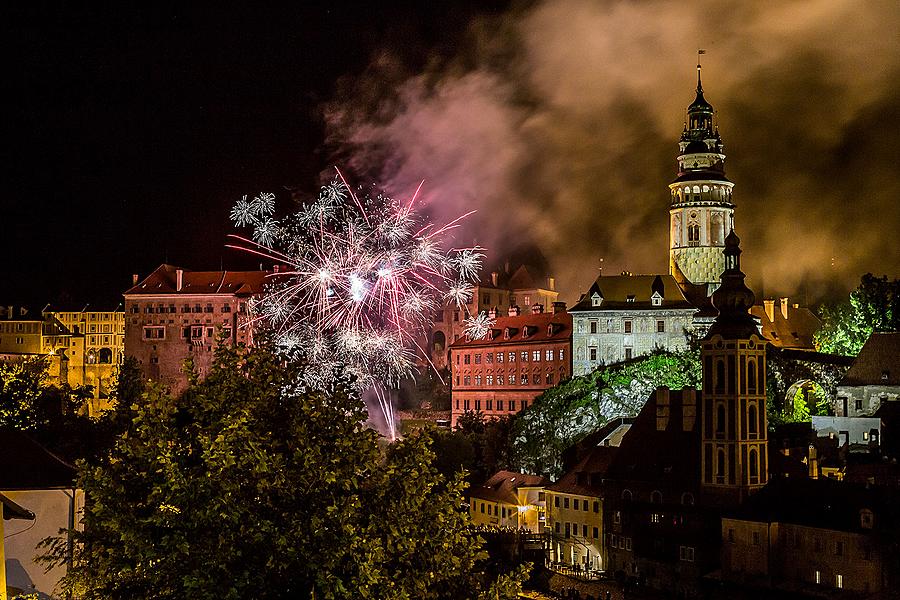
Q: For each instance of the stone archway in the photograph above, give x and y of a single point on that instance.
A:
(805, 398)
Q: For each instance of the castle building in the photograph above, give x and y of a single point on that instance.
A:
(701, 214)
(505, 287)
(625, 316)
(175, 314)
(96, 348)
(519, 358)
(873, 379)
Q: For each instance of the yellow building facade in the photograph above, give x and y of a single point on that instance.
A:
(509, 500)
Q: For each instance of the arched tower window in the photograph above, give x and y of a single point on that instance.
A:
(720, 467)
(694, 234)
(720, 376)
(655, 497)
(754, 467)
(626, 495)
(752, 420)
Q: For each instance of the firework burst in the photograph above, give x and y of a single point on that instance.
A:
(365, 275)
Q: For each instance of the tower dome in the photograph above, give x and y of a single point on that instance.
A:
(733, 299)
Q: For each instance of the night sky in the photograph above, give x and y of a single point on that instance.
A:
(131, 131)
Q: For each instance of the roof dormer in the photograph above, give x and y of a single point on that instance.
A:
(596, 299)
(656, 299)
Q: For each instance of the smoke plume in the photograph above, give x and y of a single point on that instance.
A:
(559, 123)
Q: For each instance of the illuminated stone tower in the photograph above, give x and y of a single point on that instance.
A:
(733, 414)
(701, 213)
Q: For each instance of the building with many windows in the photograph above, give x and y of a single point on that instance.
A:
(509, 500)
(175, 314)
(519, 358)
(626, 316)
(498, 291)
(873, 379)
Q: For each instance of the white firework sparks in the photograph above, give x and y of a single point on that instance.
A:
(477, 327)
(365, 275)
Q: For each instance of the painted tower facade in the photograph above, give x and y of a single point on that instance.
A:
(701, 214)
(734, 427)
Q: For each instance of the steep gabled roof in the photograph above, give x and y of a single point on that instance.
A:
(662, 451)
(878, 362)
(26, 465)
(584, 478)
(502, 486)
(795, 331)
(164, 281)
(634, 292)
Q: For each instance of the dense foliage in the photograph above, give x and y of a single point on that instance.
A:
(247, 487)
(565, 414)
(873, 306)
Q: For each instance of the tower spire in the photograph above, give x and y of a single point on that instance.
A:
(700, 53)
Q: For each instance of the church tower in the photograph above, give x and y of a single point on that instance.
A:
(734, 445)
(701, 213)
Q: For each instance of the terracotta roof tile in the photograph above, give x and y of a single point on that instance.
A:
(502, 486)
(164, 281)
(542, 327)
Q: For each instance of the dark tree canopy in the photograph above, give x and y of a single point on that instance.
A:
(247, 487)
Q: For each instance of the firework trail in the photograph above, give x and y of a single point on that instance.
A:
(365, 275)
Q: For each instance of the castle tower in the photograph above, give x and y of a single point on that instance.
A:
(733, 414)
(701, 213)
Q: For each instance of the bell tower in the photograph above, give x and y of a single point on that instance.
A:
(701, 214)
(734, 446)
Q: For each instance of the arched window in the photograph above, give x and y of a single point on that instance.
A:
(105, 356)
(752, 420)
(655, 497)
(626, 495)
(720, 467)
(754, 467)
(438, 341)
(751, 376)
(693, 234)
(720, 376)
(720, 418)
(687, 499)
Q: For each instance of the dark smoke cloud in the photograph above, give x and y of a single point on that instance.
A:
(558, 122)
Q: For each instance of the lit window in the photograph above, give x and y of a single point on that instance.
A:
(839, 581)
(627, 326)
(535, 355)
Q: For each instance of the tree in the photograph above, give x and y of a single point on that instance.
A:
(565, 414)
(873, 306)
(246, 486)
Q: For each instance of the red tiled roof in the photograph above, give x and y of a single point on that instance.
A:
(795, 331)
(878, 362)
(164, 281)
(502, 486)
(542, 327)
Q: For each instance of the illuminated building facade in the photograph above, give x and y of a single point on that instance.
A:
(521, 356)
(174, 315)
(504, 287)
(625, 316)
(509, 500)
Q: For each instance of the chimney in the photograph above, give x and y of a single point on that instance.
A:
(662, 408)
(537, 309)
(559, 307)
(813, 462)
(179, 279)
(276, 268)
(514, 310)
(688, 408)
(492, 313)
(552, 282)
(506, 266)
(495, 277)
(784, 308)
(134, 279)
(770, 309)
